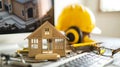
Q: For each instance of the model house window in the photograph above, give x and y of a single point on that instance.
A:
(110, 5)
(34, 43)
(44, 44)
(59, 43)
(59, 40)
(47, 31)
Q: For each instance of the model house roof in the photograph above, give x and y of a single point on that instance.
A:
(38, 32)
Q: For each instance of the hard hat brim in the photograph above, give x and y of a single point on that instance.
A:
(96, 30)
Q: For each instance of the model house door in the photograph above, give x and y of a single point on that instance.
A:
(47, 46)
(6, 8)
(30, 12)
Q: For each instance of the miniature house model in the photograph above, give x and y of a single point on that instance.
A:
(46, 39)
(25, 9)
(24, 15)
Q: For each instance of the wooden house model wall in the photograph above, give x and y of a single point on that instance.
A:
(46, 39)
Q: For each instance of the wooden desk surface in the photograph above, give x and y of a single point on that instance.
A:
(109, 42)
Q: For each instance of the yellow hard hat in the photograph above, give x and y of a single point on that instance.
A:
(76, 15)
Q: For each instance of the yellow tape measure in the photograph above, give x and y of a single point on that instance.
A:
(74, 34)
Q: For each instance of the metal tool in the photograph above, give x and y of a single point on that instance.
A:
(12, 61)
